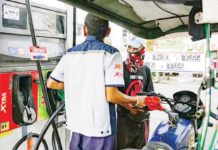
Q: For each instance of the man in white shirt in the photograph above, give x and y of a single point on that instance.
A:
(90, 75)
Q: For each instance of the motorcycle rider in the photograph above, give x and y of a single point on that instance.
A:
(133, 124)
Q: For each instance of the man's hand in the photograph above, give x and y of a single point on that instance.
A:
(134, 110)
(140, 103)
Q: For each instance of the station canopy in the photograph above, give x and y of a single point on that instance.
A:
(145, 18)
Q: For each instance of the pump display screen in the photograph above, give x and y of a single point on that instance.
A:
(49, 26)
(14, 17)
(46, 22)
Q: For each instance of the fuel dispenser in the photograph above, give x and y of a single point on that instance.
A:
(23, 110)
(21, 99)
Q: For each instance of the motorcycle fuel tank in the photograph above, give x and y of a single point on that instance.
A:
(167, 137)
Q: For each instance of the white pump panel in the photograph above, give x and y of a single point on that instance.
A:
(209, 14)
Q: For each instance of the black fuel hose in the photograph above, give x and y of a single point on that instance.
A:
(26, 137)
(58, 124)
(38, 63)
(44, 130)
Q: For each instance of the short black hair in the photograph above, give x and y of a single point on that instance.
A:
(96, 26)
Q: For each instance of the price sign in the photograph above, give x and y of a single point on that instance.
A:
(38, 53)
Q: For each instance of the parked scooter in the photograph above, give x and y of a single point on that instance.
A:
(180, 131)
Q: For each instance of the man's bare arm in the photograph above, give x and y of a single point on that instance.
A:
(113, 95)
(52, 84)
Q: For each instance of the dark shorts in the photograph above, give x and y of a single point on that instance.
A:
(82, 142)
(131, 134)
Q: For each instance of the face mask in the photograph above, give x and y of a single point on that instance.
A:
(135, 61)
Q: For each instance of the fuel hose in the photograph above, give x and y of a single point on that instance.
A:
(26, 137)
(38, 64)
(51, 120)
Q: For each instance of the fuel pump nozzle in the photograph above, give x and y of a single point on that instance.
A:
(153, 102)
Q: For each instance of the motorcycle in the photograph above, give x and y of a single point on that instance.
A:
(180, 132)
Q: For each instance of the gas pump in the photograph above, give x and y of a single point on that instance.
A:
(21, 99)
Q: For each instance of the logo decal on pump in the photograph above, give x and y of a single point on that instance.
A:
(3, 103)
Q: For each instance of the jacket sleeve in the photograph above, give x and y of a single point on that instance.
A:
(148, 87)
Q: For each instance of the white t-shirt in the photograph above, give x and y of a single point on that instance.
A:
(85, 75)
